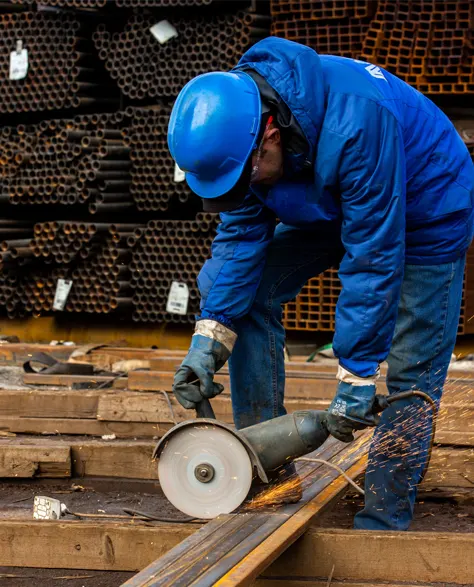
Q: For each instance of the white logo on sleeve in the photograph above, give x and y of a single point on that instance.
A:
(373, 70)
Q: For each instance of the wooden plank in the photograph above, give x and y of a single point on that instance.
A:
(431, 557)
(173, 360)
(289, 582)
(18, 353)
(165, 363)
(297, 386)
(153, 407)
(45, 403)
(207, 556)
(118, 458)
(450, 467)
(83, 427)
(68, 544)
(20, 459)
(143, 407)
(454, 438)
(68, 380)
(456, 416)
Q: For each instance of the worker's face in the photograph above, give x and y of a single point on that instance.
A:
(267, 160)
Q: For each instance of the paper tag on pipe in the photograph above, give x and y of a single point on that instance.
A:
(63, 287)
(178, 298)
(18, 63)
(163, 31)
(179, 174)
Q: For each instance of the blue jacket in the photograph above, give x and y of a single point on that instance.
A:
(389, 169)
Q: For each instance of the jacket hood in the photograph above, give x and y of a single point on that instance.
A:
(295, 73)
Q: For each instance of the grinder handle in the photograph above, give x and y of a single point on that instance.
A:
(204, 409)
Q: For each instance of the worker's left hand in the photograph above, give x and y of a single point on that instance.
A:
(194, 380)
(353, 408)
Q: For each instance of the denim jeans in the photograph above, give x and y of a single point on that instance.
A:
(424, 339)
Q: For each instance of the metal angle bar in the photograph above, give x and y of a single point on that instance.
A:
(218, 565)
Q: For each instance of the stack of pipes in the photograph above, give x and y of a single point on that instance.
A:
(145, 68)
(95, 257)
(15, 238)
(169, 251)
(63, 72)
(68, 161)
(155, 184)
(101, 283)
(96, 4)
(114, 163)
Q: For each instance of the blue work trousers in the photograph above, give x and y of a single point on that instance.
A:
(425, 334)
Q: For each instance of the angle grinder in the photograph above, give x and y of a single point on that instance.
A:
(206, 467)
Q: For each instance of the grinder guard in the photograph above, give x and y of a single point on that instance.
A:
(254, 459)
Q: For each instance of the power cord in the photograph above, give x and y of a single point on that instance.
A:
(338, 469)
(390, 400)
(141, 516)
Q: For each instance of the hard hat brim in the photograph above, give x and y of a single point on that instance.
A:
(234, 197)
(217, 187)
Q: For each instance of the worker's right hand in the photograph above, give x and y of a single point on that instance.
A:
(354, 407)
(194, 380)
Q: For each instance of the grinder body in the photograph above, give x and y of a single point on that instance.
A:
(277, 442)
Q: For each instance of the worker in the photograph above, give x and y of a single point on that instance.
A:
(363, 173)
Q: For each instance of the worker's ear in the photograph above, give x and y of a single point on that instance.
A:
(273, 136)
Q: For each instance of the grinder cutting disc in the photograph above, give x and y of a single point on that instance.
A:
(205, 471)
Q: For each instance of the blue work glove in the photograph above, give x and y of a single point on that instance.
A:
(354, 408)
(194, 380)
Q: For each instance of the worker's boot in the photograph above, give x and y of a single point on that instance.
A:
(284, 487)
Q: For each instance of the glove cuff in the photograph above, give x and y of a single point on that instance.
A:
(216, 331)
(346, 376)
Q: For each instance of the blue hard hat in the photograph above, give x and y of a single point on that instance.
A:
(213, 129)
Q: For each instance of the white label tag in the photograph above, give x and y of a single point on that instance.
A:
(163, 31)
(63, 287)
(18, 64)
(179, 174)
(178, 298)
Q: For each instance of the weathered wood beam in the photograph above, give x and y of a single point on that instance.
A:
(68, 380)
(298, 384)
(289, 582)
(107, 546)
(81, 426)
(27, 460)
(359, 555)
(421, 558)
